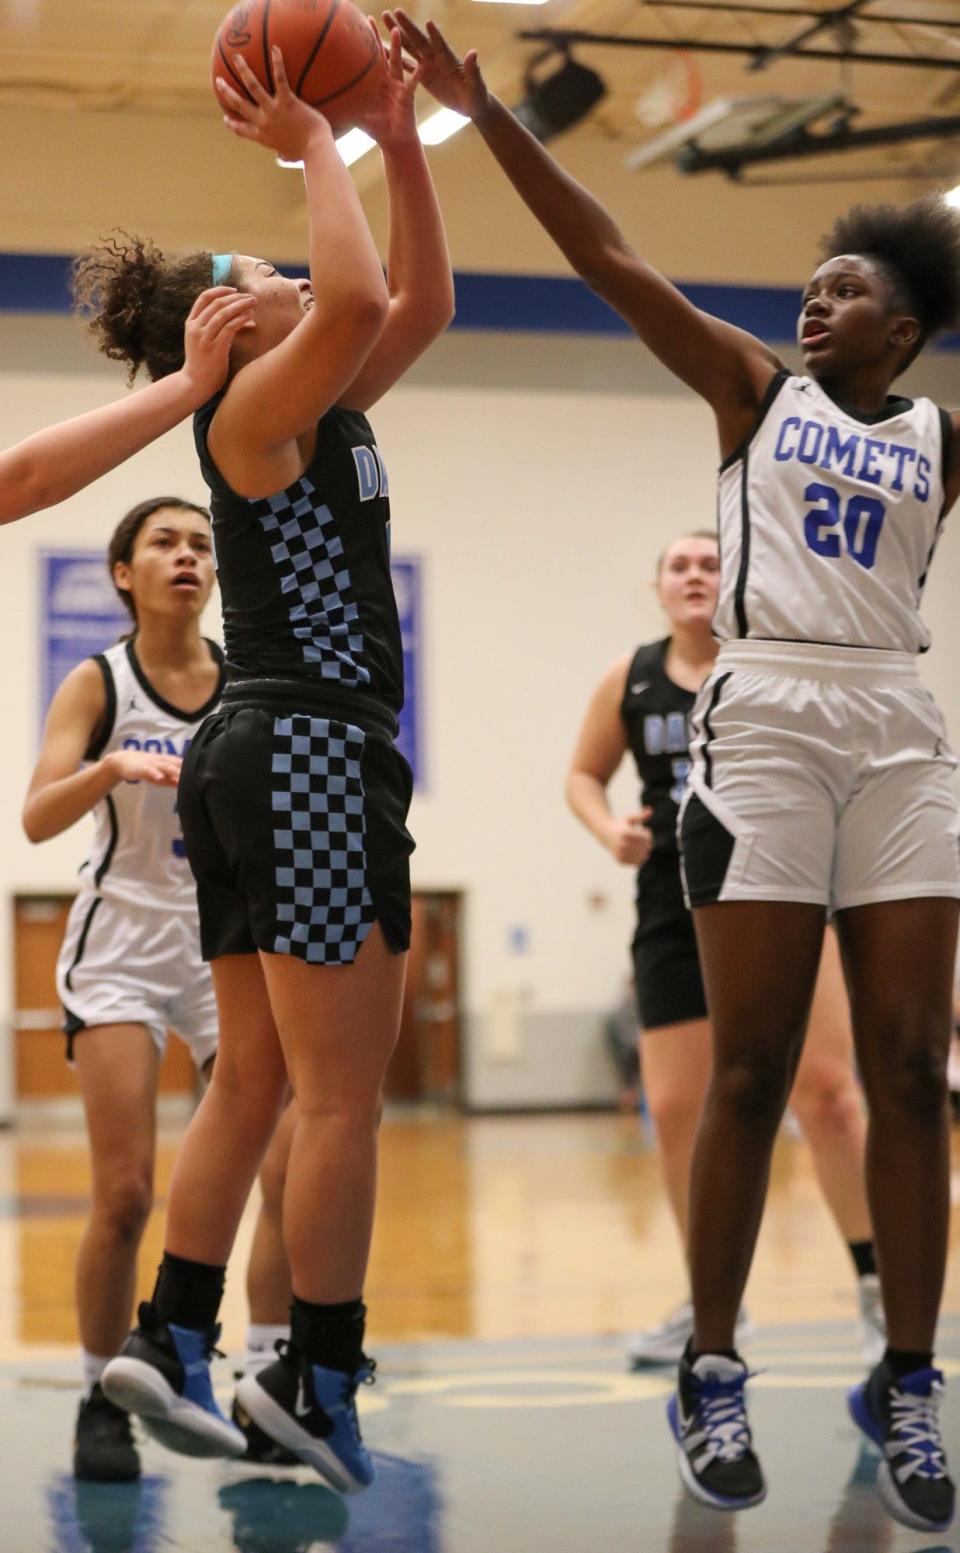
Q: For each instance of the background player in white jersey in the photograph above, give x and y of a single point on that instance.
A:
(643, 704)
(822, 778)
(130, 964)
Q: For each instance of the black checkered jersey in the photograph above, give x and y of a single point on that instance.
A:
(305, 573)
(655, 714)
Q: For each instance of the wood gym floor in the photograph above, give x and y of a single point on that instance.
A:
(512, 1256)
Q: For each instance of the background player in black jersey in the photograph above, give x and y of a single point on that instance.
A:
(888, 281)
(293, 798)
(643, 704)
(56, 463)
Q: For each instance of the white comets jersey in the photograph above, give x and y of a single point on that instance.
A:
(828, 523)
(138, 856)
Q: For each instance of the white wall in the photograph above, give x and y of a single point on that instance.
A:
(539, 479)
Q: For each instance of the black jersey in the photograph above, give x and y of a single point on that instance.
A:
(656, 713)
(305, 573)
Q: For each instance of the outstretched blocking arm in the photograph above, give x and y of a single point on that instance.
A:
(419, 279)
(730, 368)
(54, 464)
(601, 745)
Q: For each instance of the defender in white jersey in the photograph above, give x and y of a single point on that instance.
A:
(821, 777)
(131, 952)
(130, 967)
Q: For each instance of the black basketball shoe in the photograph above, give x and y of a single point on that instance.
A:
(103, 1448)
(708, 1417)
(162, 1374)
(261, 1450)
(313, 1412)
(900, 1416)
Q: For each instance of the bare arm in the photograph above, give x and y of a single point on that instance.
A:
(952, 488)
(600, 747)
(725, 365)
(59, 794)
(419, 278)
(54, 464)
(281, 395)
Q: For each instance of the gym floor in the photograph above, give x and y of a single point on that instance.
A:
(512, 1256)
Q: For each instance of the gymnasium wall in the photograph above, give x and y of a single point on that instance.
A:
(538, 477)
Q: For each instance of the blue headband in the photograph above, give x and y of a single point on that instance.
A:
(222, 264)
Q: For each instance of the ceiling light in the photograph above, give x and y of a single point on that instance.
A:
(440, 126)
(952, 197)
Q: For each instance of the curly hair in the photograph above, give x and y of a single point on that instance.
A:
(916, 246)
(137, 299)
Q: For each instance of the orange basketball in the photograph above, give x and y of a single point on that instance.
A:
(329, 51)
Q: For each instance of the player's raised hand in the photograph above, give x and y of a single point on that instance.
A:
(392, 120)
(213, 323)
(454, 82)
(630, 839)
(279, 120)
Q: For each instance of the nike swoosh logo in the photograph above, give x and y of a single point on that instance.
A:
(301, 1406)
(637, 690)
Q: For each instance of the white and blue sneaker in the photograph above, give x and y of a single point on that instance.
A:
(313, 1412)
(162, 1374)
(708, 1417)
(900, 1417)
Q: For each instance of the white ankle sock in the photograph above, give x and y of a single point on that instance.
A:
(93, 1367)
(261, 1338)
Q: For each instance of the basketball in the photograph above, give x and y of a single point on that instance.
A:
(330, 53)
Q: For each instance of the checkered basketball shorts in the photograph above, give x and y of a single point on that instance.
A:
(295, 828)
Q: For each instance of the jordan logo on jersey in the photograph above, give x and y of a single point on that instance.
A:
(371, 472)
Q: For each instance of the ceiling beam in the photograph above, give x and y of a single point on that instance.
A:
(564, 38)
(796, 10)
(839, 21)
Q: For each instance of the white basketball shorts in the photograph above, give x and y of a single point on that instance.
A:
(821, 775)
(141, 965)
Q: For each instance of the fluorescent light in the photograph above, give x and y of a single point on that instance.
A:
(433, 131)
(952, 197)
(440, 126)
(353, 145)
(516, 2)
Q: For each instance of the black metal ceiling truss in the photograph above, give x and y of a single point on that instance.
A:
(759, 54)
(801, 143)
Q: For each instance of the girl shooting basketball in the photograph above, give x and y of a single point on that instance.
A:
(293, 798)
(822, 778)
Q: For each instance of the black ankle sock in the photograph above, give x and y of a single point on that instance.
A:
(903, 1362)
(329, 1335)
(864, 1257)
(188, 1294)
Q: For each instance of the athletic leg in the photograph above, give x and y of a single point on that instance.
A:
(676, 1061)
(268, 1273)
(899, 958)
(760, 964)
(117, 1068)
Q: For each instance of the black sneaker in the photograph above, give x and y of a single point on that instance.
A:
(162, 1374)
(313, 1412)
(900, 1416)
(103, 1450)
(708, 1417)
(261, 1450)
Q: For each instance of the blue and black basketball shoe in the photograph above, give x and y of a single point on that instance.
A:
(900, 1416)
(313, 1412)
(162, 1374)
(708, 1417)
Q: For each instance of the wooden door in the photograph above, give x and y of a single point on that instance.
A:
(41, 1072)
(426, 1063)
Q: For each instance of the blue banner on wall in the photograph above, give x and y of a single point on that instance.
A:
(80, 614)
(407, 585)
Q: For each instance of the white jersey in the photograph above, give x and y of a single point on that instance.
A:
(138, 856)
(828, 521)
